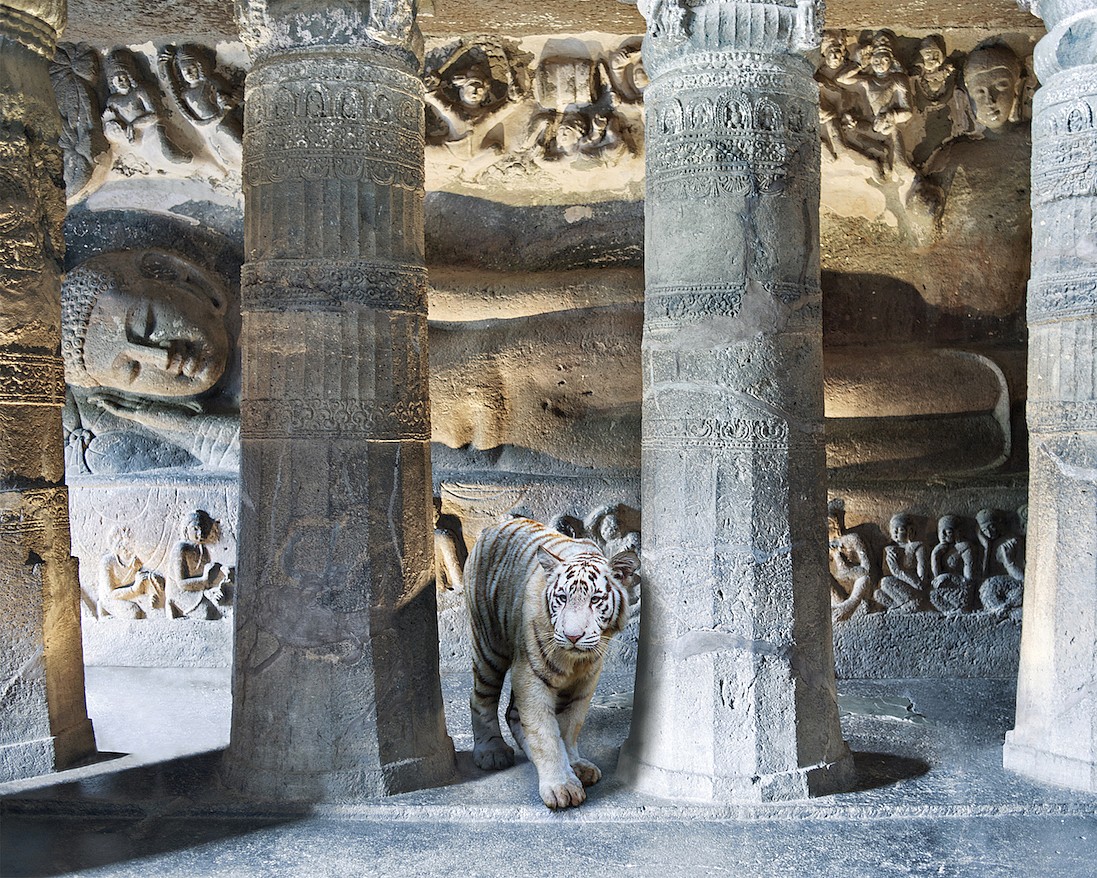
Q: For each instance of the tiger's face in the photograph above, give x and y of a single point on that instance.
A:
(587, 597)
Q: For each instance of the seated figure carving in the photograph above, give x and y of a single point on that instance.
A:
(132, 117)
(953, 564)
(851, 580)
(905, 581)
(126, 589)
(195, 583)
(1003, 566)
(145, 343)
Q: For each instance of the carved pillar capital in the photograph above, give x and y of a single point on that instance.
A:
(270, 27)
(36, 24)
(678, 29)
(1071, 40)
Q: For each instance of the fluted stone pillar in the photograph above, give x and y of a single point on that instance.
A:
(43, 716)
(336, 688)
(735, 695)
(1055, 738)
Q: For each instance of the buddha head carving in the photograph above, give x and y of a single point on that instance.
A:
(147, 322)
(992, 76)
(990, 523)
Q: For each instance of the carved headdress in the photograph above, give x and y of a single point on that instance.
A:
(79, 293)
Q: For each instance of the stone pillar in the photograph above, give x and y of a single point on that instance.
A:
(1055, 738)
(43, 717)
(336, 693)
(735, 696)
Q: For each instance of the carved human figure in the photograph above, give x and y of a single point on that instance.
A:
(1003, 566)
(905, 581)
(837, 121)
(126, 589)
(953, 565)
(145, 343)
(887, 90)
(205, 97)
(942, 105)
(450, 551)
(194, 581)
(132, 117)
(851, 583)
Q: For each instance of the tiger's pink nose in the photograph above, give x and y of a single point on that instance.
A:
(574, 638)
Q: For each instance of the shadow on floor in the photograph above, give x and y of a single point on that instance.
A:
(875, 770)
(119, 817)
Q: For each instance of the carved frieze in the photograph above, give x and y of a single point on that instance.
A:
(320, 121)
(31, 379)
(329, 285)
(975, 564)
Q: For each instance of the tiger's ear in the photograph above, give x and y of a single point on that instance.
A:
(624, 565)
(548, 561)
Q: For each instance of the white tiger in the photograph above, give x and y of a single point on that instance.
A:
(544, 606)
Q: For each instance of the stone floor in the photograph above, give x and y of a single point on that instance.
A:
(932, 799)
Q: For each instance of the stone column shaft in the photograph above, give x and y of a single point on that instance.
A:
(735, 694)
(336, 686)
(43, 715)
(1055, 738)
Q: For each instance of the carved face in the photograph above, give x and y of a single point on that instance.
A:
(568, 136)
(587, 597)
(191, 70)
(988, 525)
(833, 52)
(881, 60)
(902, 530)
(472, 92)
(200, 528)
(946, 531)
(121, 83)
(932, 57)
(159, 329)
(993, 91)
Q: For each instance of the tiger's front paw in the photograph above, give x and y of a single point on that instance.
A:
(587, 772)
(493, 755)
(563, 795)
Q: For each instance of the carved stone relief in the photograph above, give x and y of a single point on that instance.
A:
(149, 342)
(976, 565)
(176, 114)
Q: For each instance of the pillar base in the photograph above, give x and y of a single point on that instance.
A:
(74, 744)
(1049, 768)
(269, 784)
(802, 783)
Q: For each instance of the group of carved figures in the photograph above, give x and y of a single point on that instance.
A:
(582, 109)
(115, 106)
(578, 108)
(871, 104)
(957, 575)
(193, 585)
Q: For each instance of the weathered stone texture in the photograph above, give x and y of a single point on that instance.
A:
(336, 632)
(44, 716)
(735, 685)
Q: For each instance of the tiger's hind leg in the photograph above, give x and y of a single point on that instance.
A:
(514, 721)
(489, 751)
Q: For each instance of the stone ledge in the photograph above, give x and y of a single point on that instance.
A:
(893, 645)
